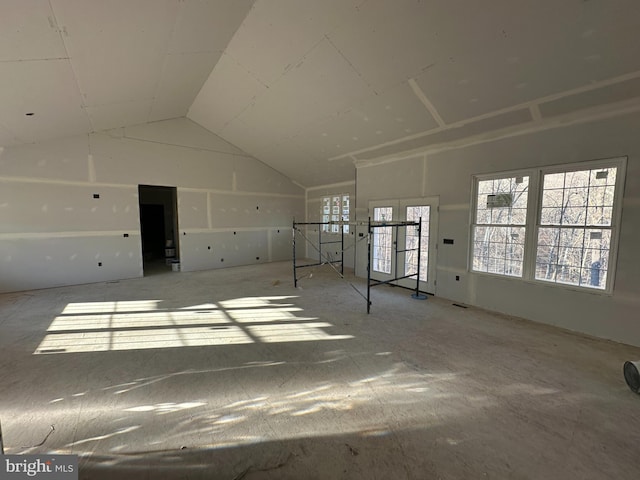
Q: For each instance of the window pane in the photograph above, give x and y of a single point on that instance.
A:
(575, 197)
(499, 250)
(345, 212)
(550, 216)
(411, 242)
(382, 240)
(599, 215)
(574, 216)
(502, 201)
(575, 222)
(583, 197)
(603, 176)
(552, 198)
(326, 212)
(577, 256)
(577, 178)
(554, 180)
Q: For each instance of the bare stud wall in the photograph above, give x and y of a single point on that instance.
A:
(53, 231)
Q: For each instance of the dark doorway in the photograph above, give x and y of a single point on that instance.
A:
(158, 227)
(152, 228)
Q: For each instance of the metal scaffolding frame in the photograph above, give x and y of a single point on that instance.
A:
(371, 225)
(397, 225)
(319, 248)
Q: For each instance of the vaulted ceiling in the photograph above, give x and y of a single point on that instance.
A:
(312, 86)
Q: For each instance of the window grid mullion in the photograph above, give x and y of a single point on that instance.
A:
(572, 258)
(534, 207)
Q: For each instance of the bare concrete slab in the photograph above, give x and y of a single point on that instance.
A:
(235, 374)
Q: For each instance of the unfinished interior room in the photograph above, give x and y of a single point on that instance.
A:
(321, 239)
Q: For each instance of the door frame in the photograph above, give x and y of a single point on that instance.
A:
(431, 249)
(399, 209)
(393, 204)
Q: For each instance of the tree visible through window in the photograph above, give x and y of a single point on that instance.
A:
(553, 224)
(415, 213)
(382, 240)
(499, 231)
(576, 218)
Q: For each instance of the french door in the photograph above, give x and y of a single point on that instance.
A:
(385, 263)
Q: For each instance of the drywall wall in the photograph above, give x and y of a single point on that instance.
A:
(69, 208)
(449, 175)
(314, 214)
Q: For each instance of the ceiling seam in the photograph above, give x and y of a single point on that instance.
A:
(353, 67)
(255, 97)
(50, 59)
(255, 77)
(426, 102)
(535, 112)
(495, 113)
(73, 70)
(246, 155)
(164, 63)
(585, 116)
(243, 109)
(330, 185)
(284, 72)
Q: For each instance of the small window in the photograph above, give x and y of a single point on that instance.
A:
(335, 211)
(345, 213)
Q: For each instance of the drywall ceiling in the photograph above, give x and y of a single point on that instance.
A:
(312, 87)
(88, 65)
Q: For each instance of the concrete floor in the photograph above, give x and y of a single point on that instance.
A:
(235, 374)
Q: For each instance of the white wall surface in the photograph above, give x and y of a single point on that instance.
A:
(449, 174)
(54, 232)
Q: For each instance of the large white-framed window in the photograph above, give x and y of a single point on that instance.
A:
(335, 208)
(556, 224)
(500, 224)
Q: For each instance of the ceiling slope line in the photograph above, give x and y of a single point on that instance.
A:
(535, 112)
(246, 155)
(331, 185)
(25, 60)
(253, 99)
(83, 105)
(297, 184)
(351, 65)
(249, 104)
(241, 65)
(524, 105)
(585, 116)
(160, 76)
(426, 102)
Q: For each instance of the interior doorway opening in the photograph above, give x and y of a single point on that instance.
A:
(158, 228)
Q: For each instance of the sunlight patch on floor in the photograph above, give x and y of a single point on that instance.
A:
(144, 324)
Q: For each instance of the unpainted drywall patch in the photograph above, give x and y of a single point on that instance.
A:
(91, 168)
